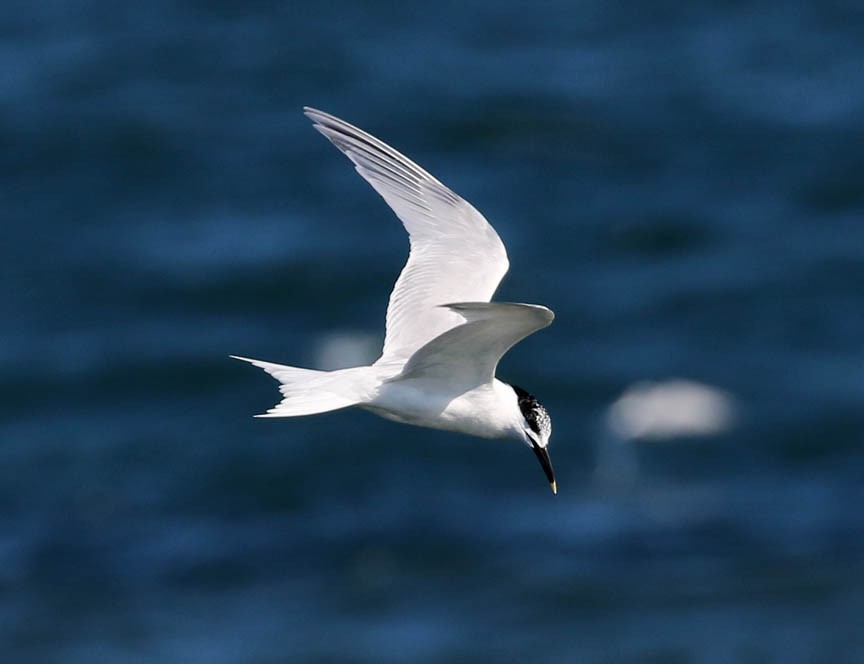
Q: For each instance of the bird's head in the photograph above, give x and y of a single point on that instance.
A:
(536, 430)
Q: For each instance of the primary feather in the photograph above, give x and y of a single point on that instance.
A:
(455, 255)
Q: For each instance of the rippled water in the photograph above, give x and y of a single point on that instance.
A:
(681, 184)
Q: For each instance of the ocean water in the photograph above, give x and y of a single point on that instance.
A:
(680, 182)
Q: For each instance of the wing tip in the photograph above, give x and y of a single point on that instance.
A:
(322, 120)
(545, 312)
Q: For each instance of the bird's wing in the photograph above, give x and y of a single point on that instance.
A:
(467, 355)
(455, 255)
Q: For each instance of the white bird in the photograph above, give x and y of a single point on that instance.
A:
(444, 337)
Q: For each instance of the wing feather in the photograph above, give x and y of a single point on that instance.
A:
(455, 254)
(467, 355)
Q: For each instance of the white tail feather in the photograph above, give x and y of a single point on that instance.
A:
(307, 391)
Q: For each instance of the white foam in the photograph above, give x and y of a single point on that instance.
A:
(341, 350)
(671, 409)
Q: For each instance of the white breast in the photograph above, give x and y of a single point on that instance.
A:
(487, 411)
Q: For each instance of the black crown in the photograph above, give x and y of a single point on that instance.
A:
(533, 412)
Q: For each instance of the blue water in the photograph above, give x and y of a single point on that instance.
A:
(680, 182)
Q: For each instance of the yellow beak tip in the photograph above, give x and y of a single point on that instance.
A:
(554, 487)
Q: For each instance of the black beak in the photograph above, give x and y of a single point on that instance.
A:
(543, 456)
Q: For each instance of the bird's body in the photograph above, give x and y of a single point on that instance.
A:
(444, 336)
(484, 411)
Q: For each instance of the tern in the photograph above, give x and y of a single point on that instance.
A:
(444, 336)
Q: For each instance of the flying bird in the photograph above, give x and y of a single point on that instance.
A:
(444, 336)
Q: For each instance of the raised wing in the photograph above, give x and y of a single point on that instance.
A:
(455, 254)
(467, 355)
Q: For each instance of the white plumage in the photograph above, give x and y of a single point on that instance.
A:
(444, 336)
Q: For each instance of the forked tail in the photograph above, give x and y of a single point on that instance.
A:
(307, 391)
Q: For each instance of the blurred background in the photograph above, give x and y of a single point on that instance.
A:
(680, 182)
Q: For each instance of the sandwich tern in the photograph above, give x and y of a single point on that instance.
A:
(444, 337)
